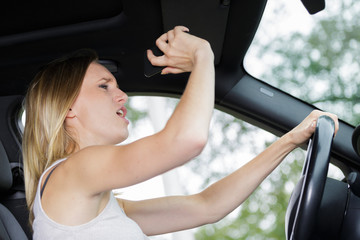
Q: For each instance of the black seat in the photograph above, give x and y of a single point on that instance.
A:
(9, 225)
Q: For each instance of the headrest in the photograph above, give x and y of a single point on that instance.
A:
(6, 178)
(356, 140)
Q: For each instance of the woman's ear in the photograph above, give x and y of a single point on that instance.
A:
(70, 114)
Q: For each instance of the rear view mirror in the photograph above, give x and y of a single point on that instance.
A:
(314, 6)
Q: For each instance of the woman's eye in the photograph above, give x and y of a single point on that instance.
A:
(104, 86)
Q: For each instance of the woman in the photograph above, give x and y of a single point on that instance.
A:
(76, 115)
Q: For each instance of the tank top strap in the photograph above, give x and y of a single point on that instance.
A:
(56, 164)
(46, 180)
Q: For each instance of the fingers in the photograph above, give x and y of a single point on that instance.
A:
(336, 121)
(167, 38)
(178, 29)
(162, 42)
(160, 61)
(316, 114)
(156, 60)
(172, 70)
(170, 36)
(165, 42)
(302, 132)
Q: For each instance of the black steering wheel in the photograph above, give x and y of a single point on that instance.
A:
(305, 200)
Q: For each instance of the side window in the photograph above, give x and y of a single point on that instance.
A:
(21, 122)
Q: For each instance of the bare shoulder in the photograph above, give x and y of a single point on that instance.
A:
(93, 156)
(88, 166)
(98, 169)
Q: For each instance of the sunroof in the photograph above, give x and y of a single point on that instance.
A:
(32, 14)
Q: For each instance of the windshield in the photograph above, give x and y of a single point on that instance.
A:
(312, 57)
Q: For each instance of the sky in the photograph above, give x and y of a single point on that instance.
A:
(281, 17)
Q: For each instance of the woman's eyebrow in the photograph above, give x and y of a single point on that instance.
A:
(107, 80)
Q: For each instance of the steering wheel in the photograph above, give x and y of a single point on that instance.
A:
(305, 200)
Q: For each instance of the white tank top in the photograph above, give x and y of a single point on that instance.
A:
(111, 223)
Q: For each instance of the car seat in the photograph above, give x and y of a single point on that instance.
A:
(10, 227)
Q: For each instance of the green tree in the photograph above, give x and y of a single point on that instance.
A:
(323, 67)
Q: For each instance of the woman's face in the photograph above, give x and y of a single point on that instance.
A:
(98, 113)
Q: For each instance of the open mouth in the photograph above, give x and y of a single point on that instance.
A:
(121, 112)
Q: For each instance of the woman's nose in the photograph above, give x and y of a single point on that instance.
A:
(120, 96)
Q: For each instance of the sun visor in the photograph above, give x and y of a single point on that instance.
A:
(314, 6)
(209, 23)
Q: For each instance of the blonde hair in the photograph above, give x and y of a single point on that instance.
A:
(50, 96)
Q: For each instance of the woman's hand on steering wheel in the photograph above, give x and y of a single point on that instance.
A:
(302, 132)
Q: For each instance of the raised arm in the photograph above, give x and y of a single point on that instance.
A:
(186, 53)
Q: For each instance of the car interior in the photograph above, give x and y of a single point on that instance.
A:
(34, 33)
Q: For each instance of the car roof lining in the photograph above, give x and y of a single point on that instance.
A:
(41, 14)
